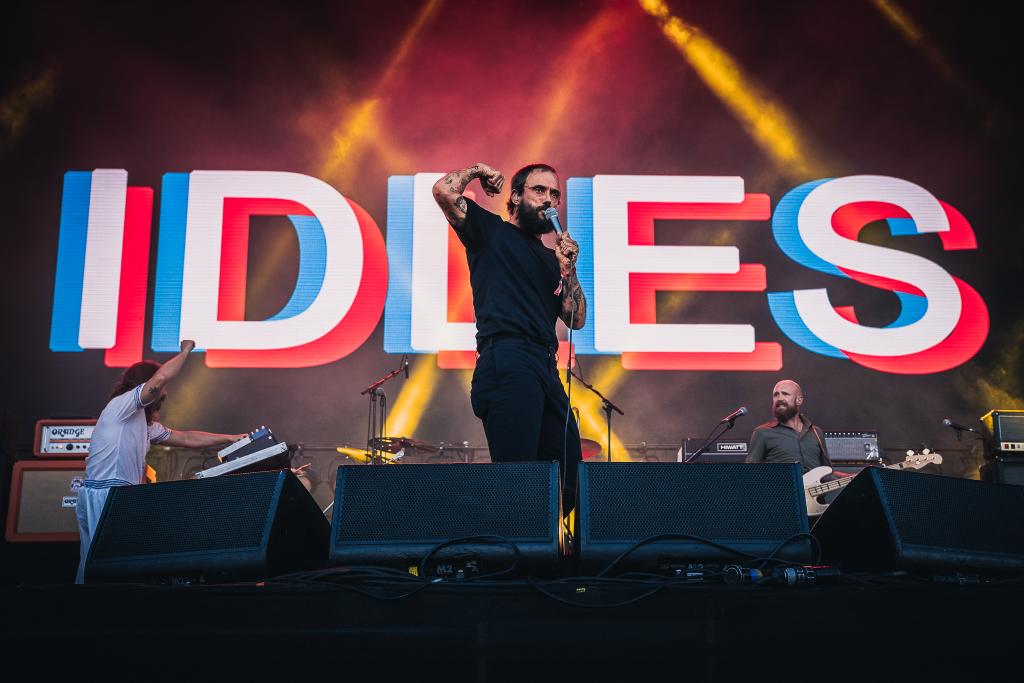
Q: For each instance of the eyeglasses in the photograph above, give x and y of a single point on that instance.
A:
(542, 190)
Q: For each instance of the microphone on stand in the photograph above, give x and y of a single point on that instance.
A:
(729, 420)
(958, 427)
(405, 365)
(731, 417)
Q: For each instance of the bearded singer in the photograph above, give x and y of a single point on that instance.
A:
(520, 289)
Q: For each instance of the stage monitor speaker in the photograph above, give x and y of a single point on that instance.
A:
(443, 519)
(888, 520)
(44, 495)
(755, 510)
(234, 528)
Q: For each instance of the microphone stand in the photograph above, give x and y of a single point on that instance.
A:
(960, 433)
(375, 425)
(607, 406)
(711, 439)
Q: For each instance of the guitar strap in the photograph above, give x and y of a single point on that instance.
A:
(824, 453)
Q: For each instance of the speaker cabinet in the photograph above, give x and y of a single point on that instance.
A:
(442, 519)
(888, 520)
(660, 516)
(1007, 469)
(233, 528)
(44, 495)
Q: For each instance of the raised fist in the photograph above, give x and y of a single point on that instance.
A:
(491, 179)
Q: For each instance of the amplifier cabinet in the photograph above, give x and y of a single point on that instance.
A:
(1004, 470)
(852, 446)
(63, 438)
(44, 497)
(1007, 430)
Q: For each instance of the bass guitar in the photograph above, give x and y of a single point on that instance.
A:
(815, 489)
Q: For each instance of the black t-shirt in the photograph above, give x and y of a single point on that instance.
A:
(514, 278)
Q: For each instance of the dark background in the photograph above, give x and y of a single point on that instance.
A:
(592, 87)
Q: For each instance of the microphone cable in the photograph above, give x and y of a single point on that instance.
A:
(568, 395)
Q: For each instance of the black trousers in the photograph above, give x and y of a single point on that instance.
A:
(518, 396)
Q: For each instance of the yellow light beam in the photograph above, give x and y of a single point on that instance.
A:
(16, 107)
(609, 376)
(348, 145)
(360, 455)
(407, 410)
(361, 124)
(346, 141)
(916, 36)
(765, 120)
(571, 70)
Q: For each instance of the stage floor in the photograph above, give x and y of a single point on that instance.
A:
(516, 630)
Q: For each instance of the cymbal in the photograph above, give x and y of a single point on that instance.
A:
(591, 449)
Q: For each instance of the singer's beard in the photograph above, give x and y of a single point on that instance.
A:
(530, 221)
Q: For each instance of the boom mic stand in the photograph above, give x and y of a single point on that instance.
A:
(607, 406)
(729, 423)
(376, 420)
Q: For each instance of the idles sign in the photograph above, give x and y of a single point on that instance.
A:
(347, 276)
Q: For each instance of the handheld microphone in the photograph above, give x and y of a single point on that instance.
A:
(551, 214)
(739, 412)
(960, 428)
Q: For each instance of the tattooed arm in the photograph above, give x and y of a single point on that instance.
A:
(448, 190)
(574, 303)
(167, 372)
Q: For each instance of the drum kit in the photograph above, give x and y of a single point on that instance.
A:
(384, 450)
(393, 449)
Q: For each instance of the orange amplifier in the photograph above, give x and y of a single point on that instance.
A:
(63, 438)
(44, 496)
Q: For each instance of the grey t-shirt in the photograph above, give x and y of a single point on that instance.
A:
(773, 442)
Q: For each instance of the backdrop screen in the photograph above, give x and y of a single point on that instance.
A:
(818, 191)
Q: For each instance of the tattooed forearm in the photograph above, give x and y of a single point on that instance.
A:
(574, 303)
(448, 194)
(456, 181)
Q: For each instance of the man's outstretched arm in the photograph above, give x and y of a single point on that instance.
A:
(167, 372)
(196, 439)
(448, 190)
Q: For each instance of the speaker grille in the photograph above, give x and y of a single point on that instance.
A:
(434, 503)
(727, 502)
(934, 511)
(223, 513)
